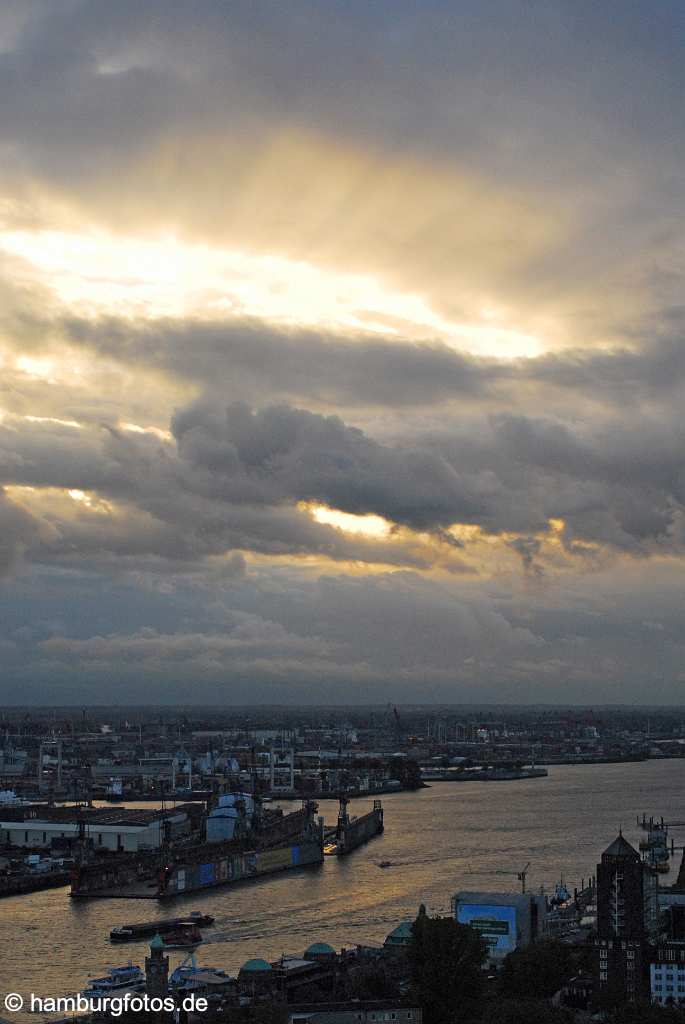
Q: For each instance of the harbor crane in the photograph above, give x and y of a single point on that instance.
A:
(521, 875)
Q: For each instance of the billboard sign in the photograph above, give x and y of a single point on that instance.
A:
(497, 925)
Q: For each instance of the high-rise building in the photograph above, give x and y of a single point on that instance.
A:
(627, 922)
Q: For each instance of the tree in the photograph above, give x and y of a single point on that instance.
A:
(646, 1014)
(270, 1013)
(536, 972)
(445, 958)
(525, 1011)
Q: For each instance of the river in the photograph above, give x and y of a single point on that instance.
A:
(451, 836)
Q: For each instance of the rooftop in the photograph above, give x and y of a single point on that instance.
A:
(621, 848)
(254, 966)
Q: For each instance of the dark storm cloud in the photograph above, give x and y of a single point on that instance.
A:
(146, 115)
(258, 360)
(282, 636)
(180, 507)
(522, 163)
(233, 477)
(18, 531)
(284, 454)
(443, 65)
(621, 485)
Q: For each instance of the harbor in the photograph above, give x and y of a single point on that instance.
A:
(235, 841)
(438, 840)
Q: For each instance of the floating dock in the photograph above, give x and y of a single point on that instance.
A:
(295, 840)
(17, 885)
(353, 832)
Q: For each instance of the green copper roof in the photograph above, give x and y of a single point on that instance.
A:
(401, 935)
(157, 942)
(319, 949)
(256, 965)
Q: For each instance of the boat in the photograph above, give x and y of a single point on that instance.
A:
(119, 982)
(185, 937)
(188, 977)
(147, 929)
(561, 895)
(385, 864)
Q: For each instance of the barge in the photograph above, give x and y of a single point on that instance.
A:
(148, 929)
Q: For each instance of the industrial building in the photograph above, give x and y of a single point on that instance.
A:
(124, 830)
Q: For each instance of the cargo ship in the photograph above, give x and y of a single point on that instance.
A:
(259, 845)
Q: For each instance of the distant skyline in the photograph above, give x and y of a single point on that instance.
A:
(341, 352)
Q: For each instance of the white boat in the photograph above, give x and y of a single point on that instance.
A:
(188, 977)
(561, 894)
(119, 982)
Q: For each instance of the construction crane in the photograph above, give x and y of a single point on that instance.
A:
(521, 875)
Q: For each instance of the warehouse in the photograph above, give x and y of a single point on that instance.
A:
(121, 829)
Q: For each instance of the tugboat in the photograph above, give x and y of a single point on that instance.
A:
(186, 937)
(119, 982)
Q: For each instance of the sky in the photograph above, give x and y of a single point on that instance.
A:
(341, 352)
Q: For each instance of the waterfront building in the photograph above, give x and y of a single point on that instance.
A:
(627, 921)
(667, 974)
(360, 1013)
(506, 921)
(104, 828)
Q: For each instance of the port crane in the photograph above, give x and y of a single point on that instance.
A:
(521, 875)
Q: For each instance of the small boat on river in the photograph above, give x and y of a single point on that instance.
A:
(148, 929)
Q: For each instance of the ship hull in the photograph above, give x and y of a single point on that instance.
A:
(239, 867)
(210, 871)
(358, 831)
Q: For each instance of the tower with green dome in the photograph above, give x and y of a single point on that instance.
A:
(156, 969)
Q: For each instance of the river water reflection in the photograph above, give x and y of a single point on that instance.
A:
(448, 837)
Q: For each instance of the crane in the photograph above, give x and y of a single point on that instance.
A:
(521, 875)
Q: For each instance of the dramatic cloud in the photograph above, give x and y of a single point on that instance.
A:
(341, 350)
